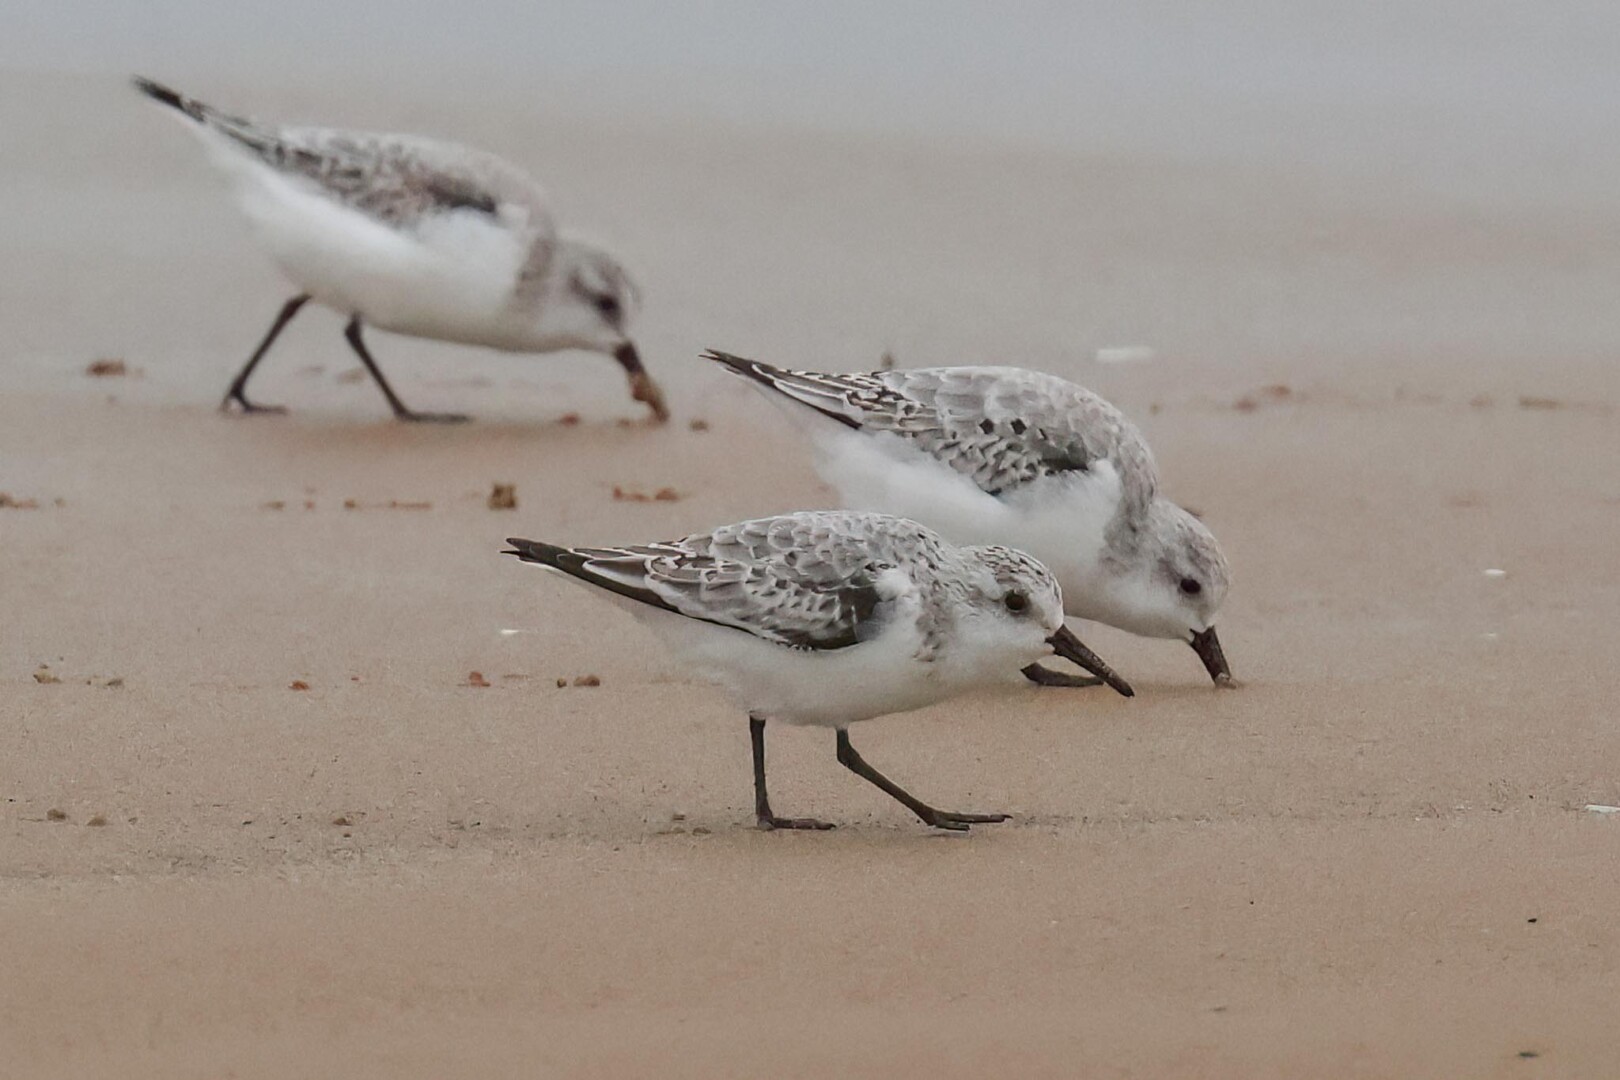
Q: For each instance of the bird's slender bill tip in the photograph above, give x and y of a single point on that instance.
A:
(642, 387)
(1208, 648)
(1072, 649)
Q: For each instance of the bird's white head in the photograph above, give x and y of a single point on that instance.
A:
(591, 299)
(1017, 615)
(589, 304)
(1177, 586)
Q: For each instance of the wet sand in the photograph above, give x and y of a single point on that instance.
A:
(1371, 860)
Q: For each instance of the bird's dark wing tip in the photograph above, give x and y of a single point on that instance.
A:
(535, 551)
(158, 92)
(730, 360)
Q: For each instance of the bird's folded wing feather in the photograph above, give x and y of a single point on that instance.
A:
(402, 181)
(1001, 427)
(769, 600)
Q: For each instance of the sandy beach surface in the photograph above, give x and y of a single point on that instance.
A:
(1373, 859)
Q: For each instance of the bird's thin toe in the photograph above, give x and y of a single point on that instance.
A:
(434, 417)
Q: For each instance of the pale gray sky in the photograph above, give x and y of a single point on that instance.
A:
(1475, 94)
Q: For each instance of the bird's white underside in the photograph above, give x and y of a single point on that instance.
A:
(881, 675)
(449, 277)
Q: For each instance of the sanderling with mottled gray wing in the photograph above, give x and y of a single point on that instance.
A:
(831, 617)
(1004, 455)
(417, 237)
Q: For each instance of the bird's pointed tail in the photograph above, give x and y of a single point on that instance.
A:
(825, 393)
(191, 107)
(538, 551)
(258, 139)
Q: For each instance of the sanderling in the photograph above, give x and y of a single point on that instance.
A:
(1003, 455)
(830, 617)
(419, 237)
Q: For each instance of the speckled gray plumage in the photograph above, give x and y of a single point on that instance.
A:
(399, 180)
(1001, 427)
(810, 580)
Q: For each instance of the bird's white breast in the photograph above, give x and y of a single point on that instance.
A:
(1061, 519)
(830, 688)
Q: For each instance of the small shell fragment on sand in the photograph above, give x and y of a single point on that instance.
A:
(1126, 354)
(663, 494)
(44, 676)
(476, 678)
(1599, 808)
(391, 504)
(1273, 393)
(1495, 573)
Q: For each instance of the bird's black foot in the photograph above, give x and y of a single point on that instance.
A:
(413, 417)
(248, 408)
(949, 819)
(1042, 676)
(770, 822)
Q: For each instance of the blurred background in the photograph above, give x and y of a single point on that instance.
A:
(1436, 179)
(1485, 97)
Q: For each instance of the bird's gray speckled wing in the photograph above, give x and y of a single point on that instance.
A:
(1001, 427)
(811, 581)
(399, 180)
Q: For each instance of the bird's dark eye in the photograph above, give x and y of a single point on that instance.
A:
(608, 306)
(1191, 586)
(1015, 601)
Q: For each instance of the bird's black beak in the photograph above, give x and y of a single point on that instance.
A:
(642, 387)
(1208, 648)
(1072, 649)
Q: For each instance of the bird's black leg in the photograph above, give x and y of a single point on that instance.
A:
(1042, 676)
(400, 411)
(762, 802)
(851, 759)
(238, 390)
